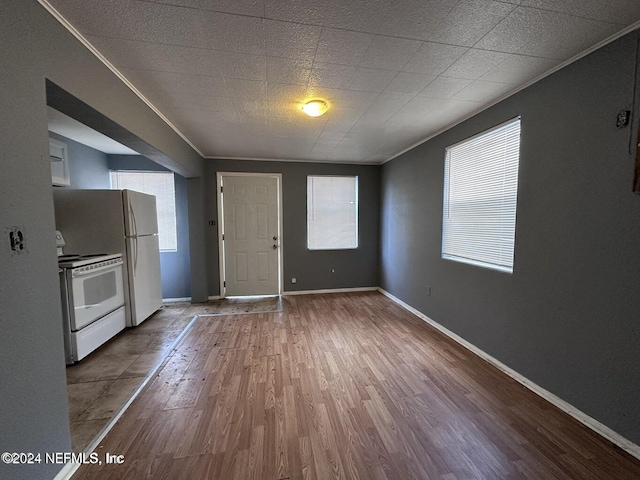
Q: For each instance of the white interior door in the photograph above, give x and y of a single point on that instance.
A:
(251, 243)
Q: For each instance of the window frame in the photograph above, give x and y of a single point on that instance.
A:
(447, 182)
(175, 203)
(357, 213)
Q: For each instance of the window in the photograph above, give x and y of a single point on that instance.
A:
(480, 196)
(160, 184)
(332, 213)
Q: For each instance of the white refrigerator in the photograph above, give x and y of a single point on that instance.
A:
(116, 221)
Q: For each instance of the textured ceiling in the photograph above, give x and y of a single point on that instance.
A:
(230, 74)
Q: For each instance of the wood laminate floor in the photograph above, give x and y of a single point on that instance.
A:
(343, 386)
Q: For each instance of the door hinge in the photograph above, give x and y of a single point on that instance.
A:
(223, 237)
(224, 284)
(221, 189)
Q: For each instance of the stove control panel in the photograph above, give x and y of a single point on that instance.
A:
(85, 267)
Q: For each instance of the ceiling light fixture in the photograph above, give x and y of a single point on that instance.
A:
(315, 108)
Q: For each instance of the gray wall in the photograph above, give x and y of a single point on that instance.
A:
(353, 268)
(34, 412)
(88, 167)
(568, 317)
(174, 266)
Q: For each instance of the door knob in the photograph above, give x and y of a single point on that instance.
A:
(275, 246)
(275, 238)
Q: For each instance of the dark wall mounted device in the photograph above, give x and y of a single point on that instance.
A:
(623, 118)
(17, 240)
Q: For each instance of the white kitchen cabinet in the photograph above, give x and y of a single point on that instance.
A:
(59, 163)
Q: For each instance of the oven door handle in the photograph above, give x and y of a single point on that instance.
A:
(83, 273)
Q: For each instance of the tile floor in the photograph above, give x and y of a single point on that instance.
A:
(103, 382)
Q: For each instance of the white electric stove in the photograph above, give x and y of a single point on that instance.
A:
(92, 300)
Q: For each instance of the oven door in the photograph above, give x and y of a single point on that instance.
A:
(94, 293)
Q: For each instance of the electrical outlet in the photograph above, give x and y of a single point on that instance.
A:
(623, 118)
(16, 239)
(294, 280)
(333, 270)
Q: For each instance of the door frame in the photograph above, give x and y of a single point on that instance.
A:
(221, 265)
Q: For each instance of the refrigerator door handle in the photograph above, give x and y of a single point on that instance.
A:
(133, 218)
(135, 255)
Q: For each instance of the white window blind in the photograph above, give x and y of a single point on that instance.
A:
(160, 184)
(480, 197)
(332, 213)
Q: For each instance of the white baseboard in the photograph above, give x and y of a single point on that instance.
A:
(326, 290)
(213, 297)
(176, 300)
(611, 435)
(331, 290)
